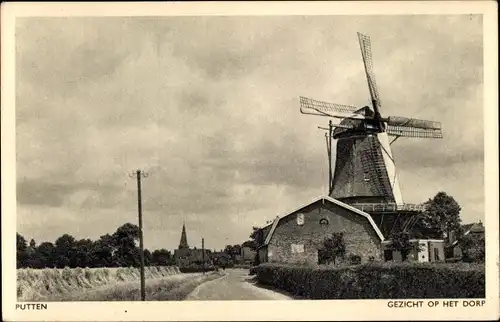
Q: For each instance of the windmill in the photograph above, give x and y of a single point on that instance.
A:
(365, 172)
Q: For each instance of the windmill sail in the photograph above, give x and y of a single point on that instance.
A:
(366, 52)
(413, 132)
(410, 122)
(339, 125)
(310, 106)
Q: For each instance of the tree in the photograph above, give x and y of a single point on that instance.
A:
(148, 257)
(442, 216)
(84, 253)
(46, 254)
(257, 236)
(250, 243)
(118, 249)
(473, 248)
(21, 243)
(232, 251)
(103, 251)
(255, 232)
(161, 257)
(127, 252)
(228, 249)
(33, 260)
(333, 249)
(237, 250)
(65, 251)
(400, 241)
(222, 259)
(21, 251)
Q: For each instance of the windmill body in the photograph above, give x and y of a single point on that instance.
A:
(365, 173)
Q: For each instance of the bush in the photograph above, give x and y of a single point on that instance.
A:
(377, 280)
(196, 269)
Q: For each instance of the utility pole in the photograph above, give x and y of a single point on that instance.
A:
(328, 138)
(330, 178)
(203, 255)
(138, 174)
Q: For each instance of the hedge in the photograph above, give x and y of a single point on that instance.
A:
(376, 280)
(196, 269)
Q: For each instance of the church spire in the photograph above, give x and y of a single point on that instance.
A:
(183, 243)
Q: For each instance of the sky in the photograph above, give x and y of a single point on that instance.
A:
(209, 108)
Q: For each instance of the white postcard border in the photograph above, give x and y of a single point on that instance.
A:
(248, 310)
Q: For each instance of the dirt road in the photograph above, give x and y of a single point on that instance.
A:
(236, 285)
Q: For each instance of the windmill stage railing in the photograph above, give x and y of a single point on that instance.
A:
(389, 207)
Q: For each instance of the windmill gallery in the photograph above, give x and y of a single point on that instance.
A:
(364, 204)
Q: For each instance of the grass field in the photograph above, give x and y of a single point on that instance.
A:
(105, 284)
(170, 288)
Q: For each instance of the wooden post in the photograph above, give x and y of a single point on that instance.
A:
(141, 240)
(330, 175)
(203, 254)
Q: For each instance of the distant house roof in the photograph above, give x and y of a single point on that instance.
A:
(324, 198)
(467, 227)
(477, 228)
(471, 228)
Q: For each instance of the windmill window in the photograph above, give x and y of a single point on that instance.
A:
(323, 222)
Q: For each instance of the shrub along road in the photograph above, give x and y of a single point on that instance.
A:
(235, 285)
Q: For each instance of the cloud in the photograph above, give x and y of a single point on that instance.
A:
(208, 106)
(85, 195)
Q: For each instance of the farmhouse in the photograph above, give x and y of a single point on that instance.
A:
(298, 236)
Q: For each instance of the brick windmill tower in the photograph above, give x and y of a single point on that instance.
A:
(365, 172)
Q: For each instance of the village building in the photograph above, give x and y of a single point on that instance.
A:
(474, 230)
(298, 236)
(247, 255)
(423, 250)
(189, 257)
(221, 258)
